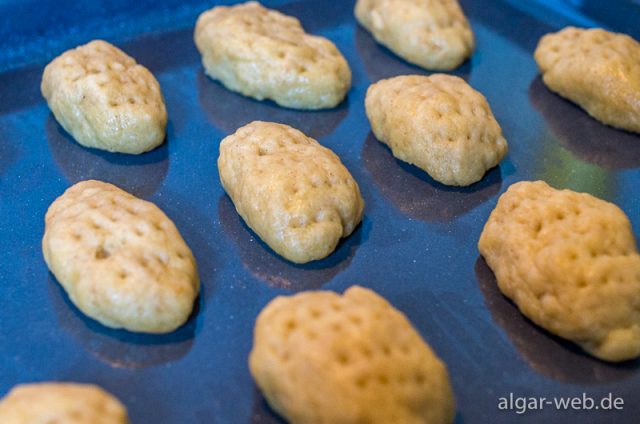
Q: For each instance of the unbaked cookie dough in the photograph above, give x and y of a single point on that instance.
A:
(293, 192)
(597, 69)
(120, 259)
(438, 123)
(61, 403)
(433, 34)
(321, 357)
(570, 263)
(105, 100)
(264, 54)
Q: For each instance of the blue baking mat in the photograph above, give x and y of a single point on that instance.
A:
(416, 245)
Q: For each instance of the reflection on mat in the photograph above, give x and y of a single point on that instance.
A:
(416, 194)
(140, 175)
(267, 266)
(546, 353)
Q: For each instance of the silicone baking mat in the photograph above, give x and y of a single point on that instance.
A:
(416, 245)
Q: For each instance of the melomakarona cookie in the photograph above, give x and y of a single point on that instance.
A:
(264, 54)
(120, 259)
(433, 34)
(438, 123)
(63, 403)
(321, 357)
(293, 192)
(105, 100)
(570, 263)
(597, 69)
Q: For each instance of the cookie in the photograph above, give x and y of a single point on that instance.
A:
(293, 192)
(264, 54)
(437, 123)
(105, 100)
(432, 34)
(569, 262)
(63, 403)
(597, 69)
(120, 259)
(320, 357)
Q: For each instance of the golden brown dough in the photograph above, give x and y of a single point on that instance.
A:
(570, 262)
(597, 69)
(120, 259)
(438, 123)
(433, 34)
(105, 100)
(264, 54)
(321, 357)
(61, 403)
(293, 192)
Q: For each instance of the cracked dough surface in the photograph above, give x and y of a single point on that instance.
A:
(570, 263)
(61, 403)
(105, 100)
(597, 69)
(438, 123)
(321, 357)
(120, 259)
(264, 54)
(433, 34)
(293, 192)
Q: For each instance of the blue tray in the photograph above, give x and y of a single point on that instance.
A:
(416, 245)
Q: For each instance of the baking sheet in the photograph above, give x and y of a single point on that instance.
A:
(416, 245)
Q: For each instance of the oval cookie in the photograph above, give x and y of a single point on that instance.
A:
(264, 54)
(63, 403)
(598, 70)
(438, 123)
(319, 357)
(294, 193)
(569, 262)
(105, 100)
(432, 34)
(120, 259)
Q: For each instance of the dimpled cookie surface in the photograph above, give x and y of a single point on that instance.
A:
(433, 34)
(105, 100)
(264, 54)
(293, 192)
(438, 123)
(570, 263)
(120, 259)
(61, 403)
(321, 357)
(598, 70)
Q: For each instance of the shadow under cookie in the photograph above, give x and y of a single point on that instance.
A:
(229, 111)
(140, 175)
(416, 194)
(267, 266)
(261, 412)
(121, 348)
(125, 349)
(381, 63)
(585, 137)
(548, 354)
